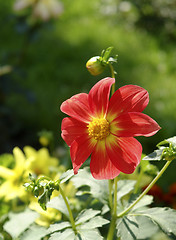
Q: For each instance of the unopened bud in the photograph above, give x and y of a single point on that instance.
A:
(95, 66)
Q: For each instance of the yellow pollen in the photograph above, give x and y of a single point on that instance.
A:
(99, 128)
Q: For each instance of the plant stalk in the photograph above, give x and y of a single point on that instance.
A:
(72, 221)
(114, 213)
(146, 190)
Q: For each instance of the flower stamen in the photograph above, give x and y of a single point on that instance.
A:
(99, 128)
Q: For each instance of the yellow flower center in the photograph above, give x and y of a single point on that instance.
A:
(99, 128)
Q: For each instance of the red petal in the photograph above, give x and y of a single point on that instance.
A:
(72, 129)
(77, 107)
(134, 124)
(80, 150)
(101, 166)
(125, 153)
(129, 98)
(99, 96)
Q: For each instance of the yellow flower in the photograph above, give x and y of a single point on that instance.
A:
(40, 162)
(47, 217)
(12, 187)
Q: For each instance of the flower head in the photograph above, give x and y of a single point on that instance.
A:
(105, 128)
(12, 187)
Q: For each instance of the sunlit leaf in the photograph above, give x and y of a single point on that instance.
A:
(165, 218)
(66, 176)
(68, 234)
(89, 235)
(155, 156)
(19, 222)
(169, 140)
(146, 227)
(85, 215)
(145, 201)
(59, 204)
(98, 188)
(35, 232)
(93, 223)
(132, 227)
(127, 228)
(58, 227)
(124, 187)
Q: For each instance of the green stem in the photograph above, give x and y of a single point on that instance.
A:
(110, 194)
(114, 213)
(72, 221)
(113, 76)
(138, 181)
(146, 190)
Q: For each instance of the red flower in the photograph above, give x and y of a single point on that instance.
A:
(105, 128)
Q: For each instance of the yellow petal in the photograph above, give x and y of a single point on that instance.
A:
(20, 159)
(6, 172)
(29, 151)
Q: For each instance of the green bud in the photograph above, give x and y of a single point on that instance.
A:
(95, 66)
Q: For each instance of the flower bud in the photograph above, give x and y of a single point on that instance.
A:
(95, 66)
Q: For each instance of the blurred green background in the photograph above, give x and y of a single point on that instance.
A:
(48, 63)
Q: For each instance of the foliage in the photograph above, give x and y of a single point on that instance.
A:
(44, 49)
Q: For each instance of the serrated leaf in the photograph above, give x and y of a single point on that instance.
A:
(35, 232)
(95, 222)
(66, 176)
(124, 187)
(59, 204)
(155, 156)
(165, 218)
(98, 188)
(68, 234)
(25, 219)
(127, 228)
(169, 140)
(132, 227)
(145, 201)
(146, 227)
(89, 235)
(58, 227)
(85, 215)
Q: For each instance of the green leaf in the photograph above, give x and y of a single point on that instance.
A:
(127, 228)
(98, 188)
(19, 222)
(89, 235)
(146, 227)
(85, 215)
(58, 227)
(155, 156)
(68, 234)
(44, 198)
(145, 201)
(169, 140)
(125, 187)
(59, 204)
(95, 222)
(165, 218)
(35, 232)
(133, 227)
(66, 176)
